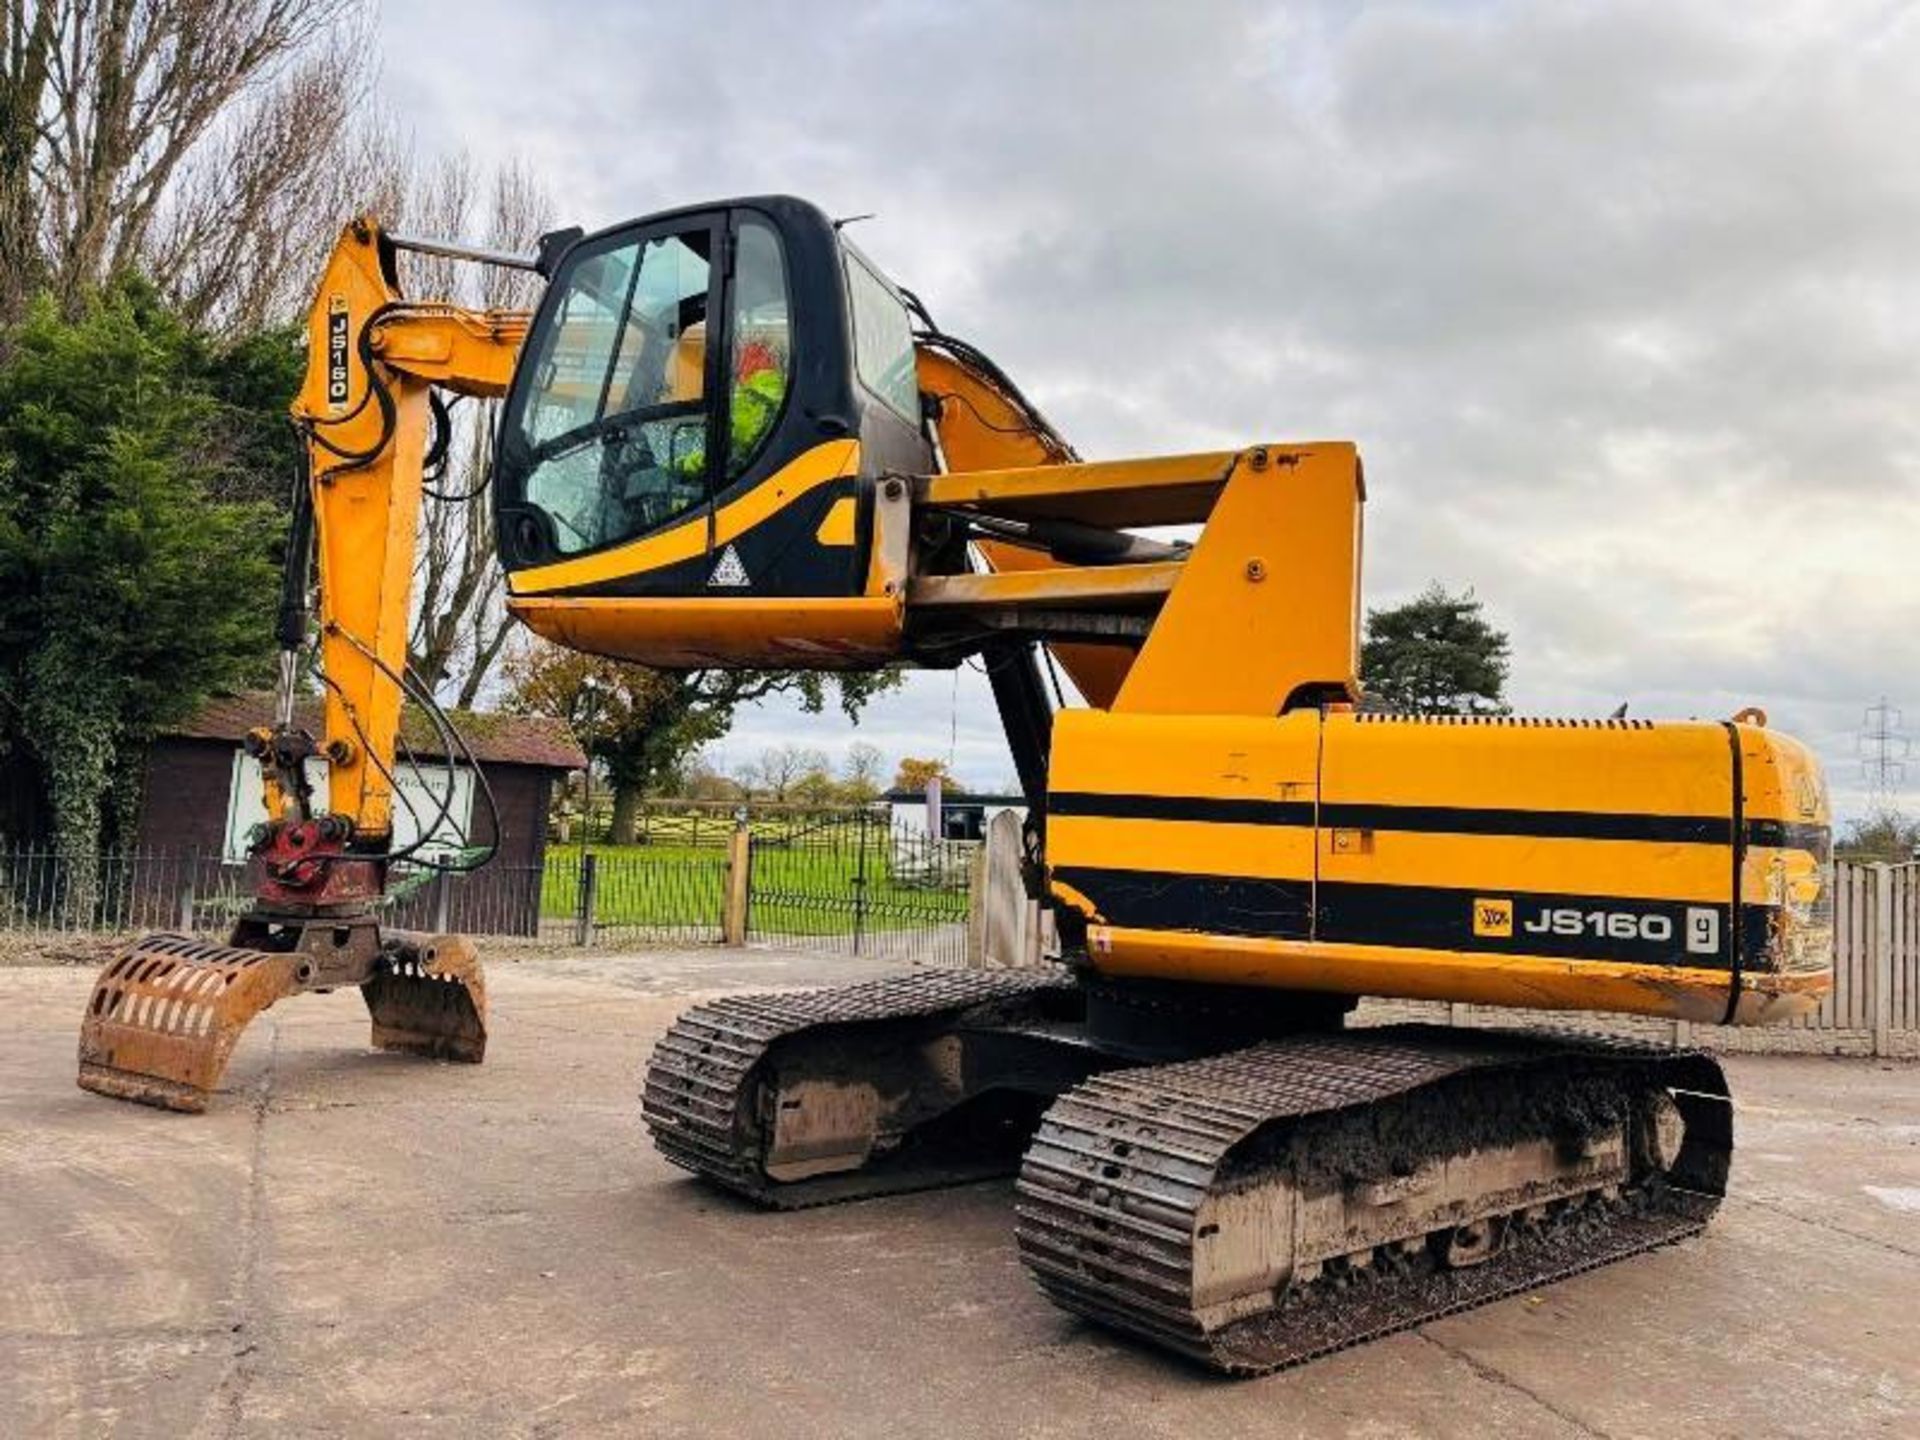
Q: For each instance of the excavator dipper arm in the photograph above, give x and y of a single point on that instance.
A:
(166, 1013)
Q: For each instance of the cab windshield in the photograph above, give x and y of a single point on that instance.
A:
(610, 438)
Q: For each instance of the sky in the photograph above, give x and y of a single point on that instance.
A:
(1619, 301)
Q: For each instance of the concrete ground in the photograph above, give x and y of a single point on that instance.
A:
(350, 1243)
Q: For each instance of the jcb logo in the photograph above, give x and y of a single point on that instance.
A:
(1493, 919)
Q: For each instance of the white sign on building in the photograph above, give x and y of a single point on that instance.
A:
(421, 789)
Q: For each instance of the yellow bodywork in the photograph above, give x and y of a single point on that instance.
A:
(1499, 861)
(1322, 849)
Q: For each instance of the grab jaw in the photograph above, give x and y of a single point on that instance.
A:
(166, 1012)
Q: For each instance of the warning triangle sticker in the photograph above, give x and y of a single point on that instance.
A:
(729, 573)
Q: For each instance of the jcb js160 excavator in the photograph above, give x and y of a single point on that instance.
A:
(727, 439)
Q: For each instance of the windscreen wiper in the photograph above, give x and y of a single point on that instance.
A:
(581, 436)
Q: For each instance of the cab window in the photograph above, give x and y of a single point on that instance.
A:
(882, 340)
(610, 442)
(762, 327)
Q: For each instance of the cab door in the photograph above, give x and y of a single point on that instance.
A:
(610, 429)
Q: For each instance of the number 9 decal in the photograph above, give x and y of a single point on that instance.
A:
(1703, 930)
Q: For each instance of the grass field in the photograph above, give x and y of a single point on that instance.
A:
(810, 886)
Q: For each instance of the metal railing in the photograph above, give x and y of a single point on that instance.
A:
(617, 896)
(848, 880)
(854, 882)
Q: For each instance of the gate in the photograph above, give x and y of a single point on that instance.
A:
(855, 883)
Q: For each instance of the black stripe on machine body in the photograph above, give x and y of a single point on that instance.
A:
(1817, 840)
(1219, 904)
(1442, 918)
(1299, 813)
(1443, 820)
(1533, 824)
(1738, 948)
(1556, 926)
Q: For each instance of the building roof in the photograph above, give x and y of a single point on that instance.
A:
(495, 739)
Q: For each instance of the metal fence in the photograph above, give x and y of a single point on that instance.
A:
(617, 896)
(42, 890)
(854, 882)
(846, 880)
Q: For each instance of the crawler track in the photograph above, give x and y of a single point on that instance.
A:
(701, 1097)
(1111, 1186)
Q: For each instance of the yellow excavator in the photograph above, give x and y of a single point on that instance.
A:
(727, 439)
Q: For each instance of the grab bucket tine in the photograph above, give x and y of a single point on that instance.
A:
(166, 1013)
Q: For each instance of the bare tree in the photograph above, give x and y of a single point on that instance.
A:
(460, 624)
(26, 44)
(701, 779)
(239, 242)
(211, 144)
(217, 146)
(862, 770)
(780, 769)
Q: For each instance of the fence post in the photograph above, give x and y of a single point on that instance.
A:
(978, 871)
(186, 906)
(442, 894)
(860, 882)
(589, 883)
(1880, 960)
(733, 923)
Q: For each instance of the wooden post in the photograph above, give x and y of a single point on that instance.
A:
(733, 923)
(1682, 1034)
(442, 897)
(1880, 962)
(978, 904)
(186, 907)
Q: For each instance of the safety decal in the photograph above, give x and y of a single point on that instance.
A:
(729, 573)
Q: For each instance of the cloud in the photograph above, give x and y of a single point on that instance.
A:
(1618, 300)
